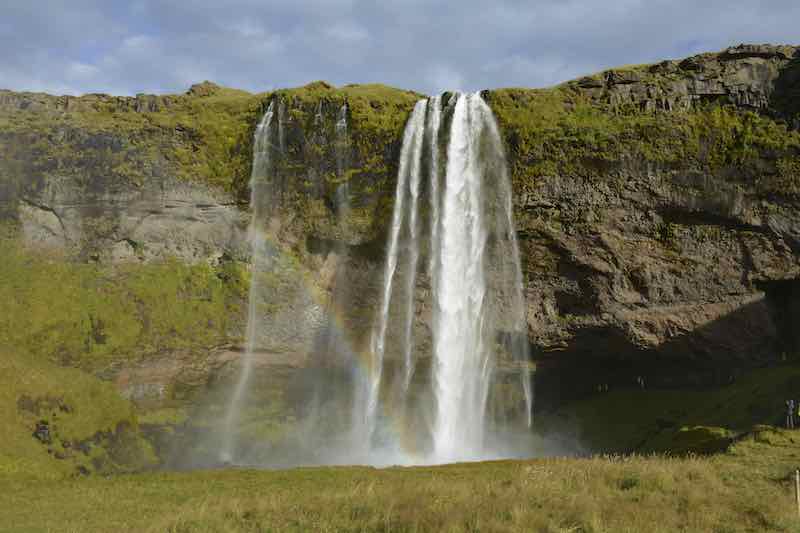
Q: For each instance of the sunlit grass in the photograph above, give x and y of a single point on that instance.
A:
(747, 489)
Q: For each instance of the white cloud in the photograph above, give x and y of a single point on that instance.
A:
(248, 29)
(429, 46)
(78, 71)
(444, 78)
(347, 32)
(139, 44)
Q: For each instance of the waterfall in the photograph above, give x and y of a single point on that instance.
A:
(451, 295)
(476, 285)
(462, 365)
(434, 122)
(260, 201)
(341, 143)
(408, 173)
(509, 258)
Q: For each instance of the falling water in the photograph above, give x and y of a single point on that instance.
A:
(509, 258)
(434, 122)
(342, 161)
(476, 285)
(453, 203)
(259, 201)
(409, 166)
(462, 364)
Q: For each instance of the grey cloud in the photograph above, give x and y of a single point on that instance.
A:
(163, 46)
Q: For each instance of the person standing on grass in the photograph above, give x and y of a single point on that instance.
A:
(790, 414)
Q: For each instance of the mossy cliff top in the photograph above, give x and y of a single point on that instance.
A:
(731, 115)
(204, 135)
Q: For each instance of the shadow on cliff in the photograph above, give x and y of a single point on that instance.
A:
(612, 395)
(755, 335)
(786, 97)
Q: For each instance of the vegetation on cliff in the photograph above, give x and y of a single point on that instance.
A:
(204, 135)
(62, 422)
(318, 160)
(90, 315)
(677, 421)
(562, 131)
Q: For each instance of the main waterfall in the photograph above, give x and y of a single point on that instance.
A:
(473, 273)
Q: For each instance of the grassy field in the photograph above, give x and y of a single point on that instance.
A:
(747, 489)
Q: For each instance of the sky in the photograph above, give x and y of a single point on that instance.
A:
(163, 46)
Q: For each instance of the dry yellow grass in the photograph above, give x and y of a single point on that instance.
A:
(747, 489)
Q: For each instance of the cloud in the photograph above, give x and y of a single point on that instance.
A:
(444, 76)
(347, 32)
(426, 45)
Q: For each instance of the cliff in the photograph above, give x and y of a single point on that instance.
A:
(657, 207)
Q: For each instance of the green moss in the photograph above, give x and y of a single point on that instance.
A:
(204, 136)
(377, 114)
(561, 131)
(90, 425)
(676, 420)
(171, 416)
(91, 315)
(317, 159)
(701, 439)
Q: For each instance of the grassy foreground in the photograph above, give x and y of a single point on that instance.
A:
(747, 489)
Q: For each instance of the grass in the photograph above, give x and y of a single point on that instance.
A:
(91, 426)
(675, 420)
(90, 315)
(560, 131)
(747, 489)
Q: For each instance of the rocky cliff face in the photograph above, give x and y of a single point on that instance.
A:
(658, 209)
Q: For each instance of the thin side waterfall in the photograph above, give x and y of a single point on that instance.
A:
(409, 164)
(259, 201)
(413, 255)
(519, 346)
(434, 122)
(342, 160)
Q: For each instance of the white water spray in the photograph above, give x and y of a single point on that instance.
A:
(462, 363)
(259, 200)
(476, 288)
